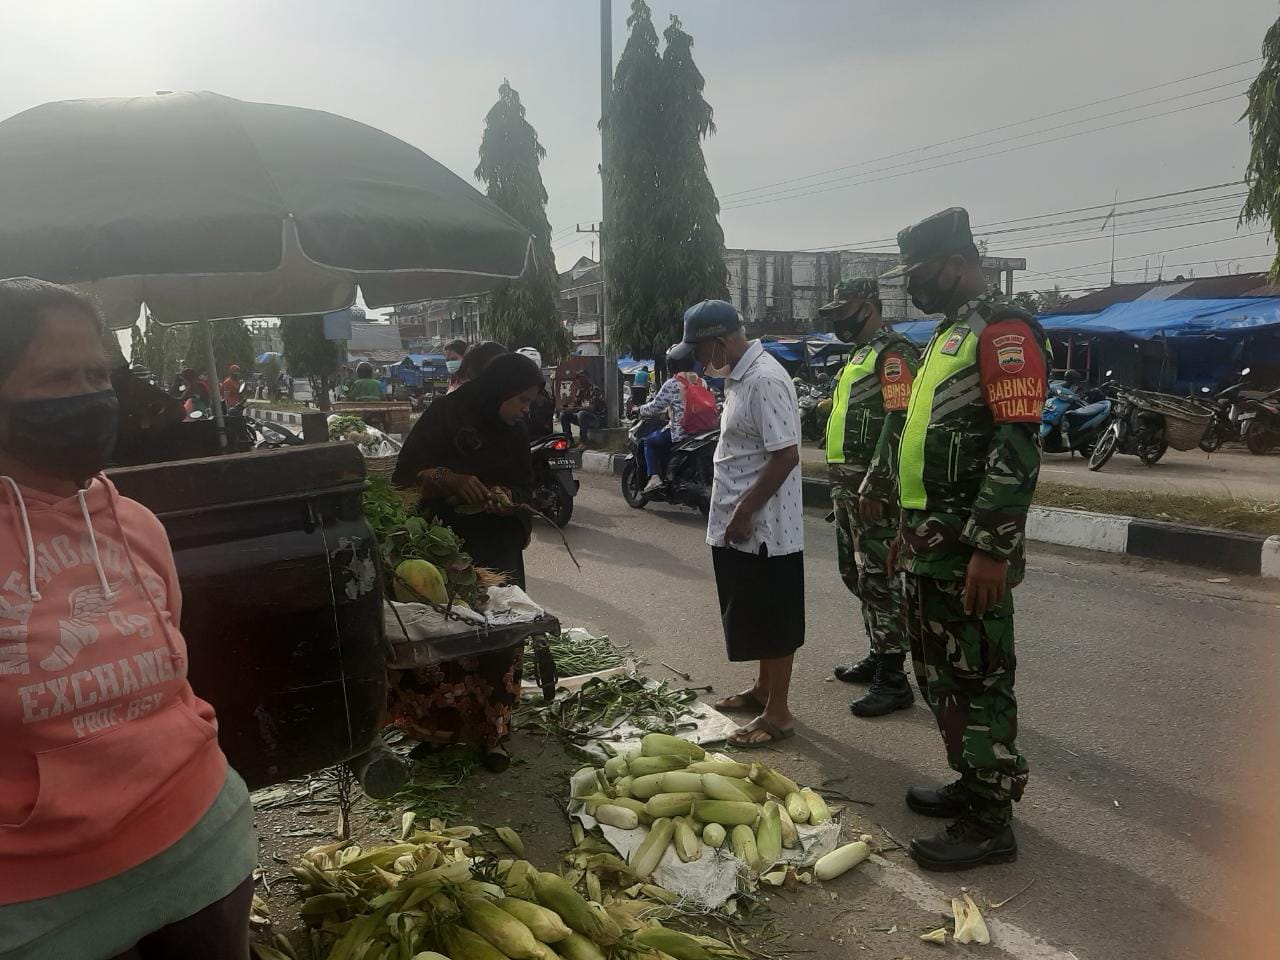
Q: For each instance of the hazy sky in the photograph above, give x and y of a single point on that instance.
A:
(798, 88)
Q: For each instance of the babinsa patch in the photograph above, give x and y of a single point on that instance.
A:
(952, 346)
(1010, 352)
(893, 369)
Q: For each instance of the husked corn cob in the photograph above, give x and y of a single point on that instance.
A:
(790, 836)
(642, 788)
(681, 781)
(662, 744)
(647, 856)
(819, 812)
(645, 766)
(726, 768)
(622, 786)
(617, 816)
(671, 804)
(713, 835)
(616, 767)
(840, 860)
(688, 846)
(544, 924)
(772, 781)
(769, 838)
(797, 808)
(719, 787)
(726, 812)
(744, 844)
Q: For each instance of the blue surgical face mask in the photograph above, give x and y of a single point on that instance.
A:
(453, 366)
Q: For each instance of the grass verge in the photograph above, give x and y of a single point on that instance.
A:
(1223, 513)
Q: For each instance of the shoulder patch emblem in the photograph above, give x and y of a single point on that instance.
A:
(860, 355)
(952, 345)
(1010, 352)
(893, 369)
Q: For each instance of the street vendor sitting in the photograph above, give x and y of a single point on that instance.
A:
(365, 386)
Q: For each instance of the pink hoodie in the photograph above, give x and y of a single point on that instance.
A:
(106, 756)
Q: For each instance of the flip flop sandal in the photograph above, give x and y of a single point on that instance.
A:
(747, 702)
(776, 734)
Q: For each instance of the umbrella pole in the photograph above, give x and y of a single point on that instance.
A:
(215, 386)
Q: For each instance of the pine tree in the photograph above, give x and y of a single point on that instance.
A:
(161, 352)
(523, 312)
(666, 247)
(309, 354)
(690, 210)
(232, 343)
(1262, 173)
(641, 317)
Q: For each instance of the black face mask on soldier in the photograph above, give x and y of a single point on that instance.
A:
(927, 294)
(851, 326)
(70, 438)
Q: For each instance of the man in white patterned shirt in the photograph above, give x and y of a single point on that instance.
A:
(755, 527)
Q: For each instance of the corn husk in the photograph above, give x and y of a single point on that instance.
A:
(646, 857)
(662, 744)
(970, 927)
(544, 924)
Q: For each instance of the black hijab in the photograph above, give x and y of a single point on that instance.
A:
(463, 431)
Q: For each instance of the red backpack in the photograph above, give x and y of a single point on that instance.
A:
(700, 413)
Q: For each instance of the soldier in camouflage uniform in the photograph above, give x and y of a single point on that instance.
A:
(967, 467)
(868, 409)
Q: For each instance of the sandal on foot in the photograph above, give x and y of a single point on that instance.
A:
(740, 702)
(775, 733)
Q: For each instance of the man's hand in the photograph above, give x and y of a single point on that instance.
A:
(871, 511)
(894, 547)
(740, 524)
(984, 584)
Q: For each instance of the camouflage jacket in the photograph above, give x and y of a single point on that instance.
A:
(969, 455)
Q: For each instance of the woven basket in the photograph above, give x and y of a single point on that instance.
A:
(380, 467)
(1185, 421)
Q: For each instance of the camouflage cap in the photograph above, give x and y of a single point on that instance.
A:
(937, 236)
(849, 291)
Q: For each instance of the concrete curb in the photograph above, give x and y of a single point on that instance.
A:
(608, 464)
(1226, 550)
(288, 418)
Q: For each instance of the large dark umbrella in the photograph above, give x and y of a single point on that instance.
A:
(203, 206)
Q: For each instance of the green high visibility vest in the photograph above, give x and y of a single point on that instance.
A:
(858, 385)
(941, 453)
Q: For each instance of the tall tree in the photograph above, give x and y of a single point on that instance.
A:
(232, 343)
(689, 208)
(523, 312)
(1262, 173)
(135, 344)
(666, 247)
(161, 351)
(309, 354)
(642, 314)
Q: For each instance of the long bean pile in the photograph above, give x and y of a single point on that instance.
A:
(580, 653)
(602, 705)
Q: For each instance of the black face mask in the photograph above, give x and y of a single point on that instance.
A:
(851, 326)
(927, 295)
(70, 438)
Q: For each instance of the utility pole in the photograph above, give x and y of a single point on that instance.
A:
(611, 394)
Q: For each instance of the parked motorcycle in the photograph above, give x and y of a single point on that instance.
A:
(1070, 422)
(1146, 424)
(1260, 423)
(687, 479)
(814, 401)
(554, 485)
(1227, 405)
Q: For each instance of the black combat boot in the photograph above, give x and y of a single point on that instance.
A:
(864, 671)
(947, 802)
(968, 842)
(890, 690)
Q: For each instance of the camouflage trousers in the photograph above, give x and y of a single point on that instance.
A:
(864, 567)
(964, 666)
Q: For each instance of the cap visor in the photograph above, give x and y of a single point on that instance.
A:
(831, 307)
(898, 271)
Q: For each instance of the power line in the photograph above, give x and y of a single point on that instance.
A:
(1152, 253)
(997, 129)
(981, 156)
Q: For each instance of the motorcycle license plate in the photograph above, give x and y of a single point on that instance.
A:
(560, 464)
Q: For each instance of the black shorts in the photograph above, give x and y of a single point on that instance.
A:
(761, 602)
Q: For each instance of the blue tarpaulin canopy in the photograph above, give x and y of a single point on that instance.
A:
(917, 331)
(1154, 319)
(628, 365)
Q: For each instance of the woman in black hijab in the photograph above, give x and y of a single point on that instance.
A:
(466, 447)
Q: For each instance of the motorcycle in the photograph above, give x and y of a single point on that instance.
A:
(1132, 429)
(687, 476)
(815, 409)
(1227, 406)
(1260, 423)
(554, 485)
(1071, 423)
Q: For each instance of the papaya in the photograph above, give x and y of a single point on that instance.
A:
(425, 580)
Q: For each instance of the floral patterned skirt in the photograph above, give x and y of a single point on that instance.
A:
(468, 700)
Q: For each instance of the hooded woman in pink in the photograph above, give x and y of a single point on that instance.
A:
(123, 833)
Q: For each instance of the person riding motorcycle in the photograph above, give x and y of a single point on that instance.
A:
(670, 399)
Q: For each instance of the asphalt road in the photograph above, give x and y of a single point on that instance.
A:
(1147, 713)
(1231, 472)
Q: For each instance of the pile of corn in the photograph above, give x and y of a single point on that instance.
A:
(435, 896)
(690, 801)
